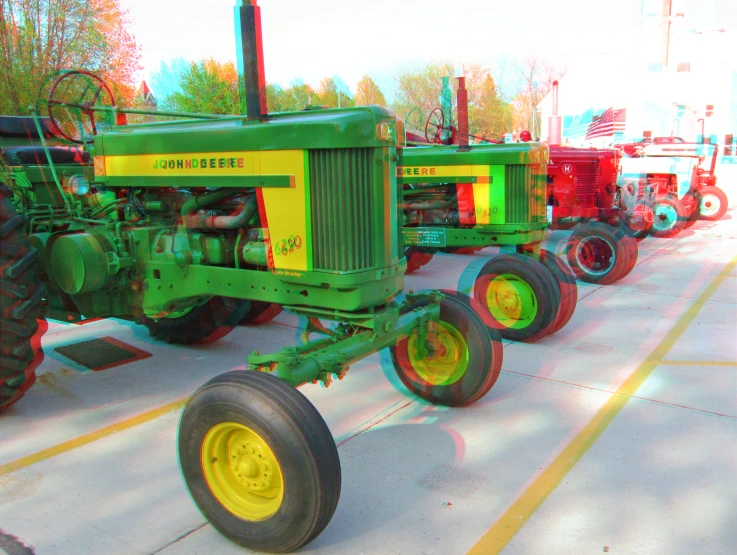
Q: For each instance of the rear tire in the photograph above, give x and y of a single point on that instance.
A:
(260, 312)
(713, 203)
(416, 258)
(259, 461)
(466, 363)
(519, 296)
(463, 250)
(669, 218)
(21, 311)
(203, 324)
(638, 222)
(691, 204)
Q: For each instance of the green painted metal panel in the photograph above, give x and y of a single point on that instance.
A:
(342, 128)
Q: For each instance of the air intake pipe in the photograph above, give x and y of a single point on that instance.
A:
(554, 123)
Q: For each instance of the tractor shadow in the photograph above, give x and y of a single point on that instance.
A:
(396, 477)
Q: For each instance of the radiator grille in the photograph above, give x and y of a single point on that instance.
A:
(342, 209)
(525, 193)
(606, 183)
(585, 183)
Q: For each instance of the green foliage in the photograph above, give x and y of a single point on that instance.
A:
(39, 38)
(333, 94)
(295, 98)
(207, 87)
(488, 115)
(368, 92)
(419, 91)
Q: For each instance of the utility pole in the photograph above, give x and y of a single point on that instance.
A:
(665, 33)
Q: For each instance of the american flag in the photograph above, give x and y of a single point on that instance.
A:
(611, 121)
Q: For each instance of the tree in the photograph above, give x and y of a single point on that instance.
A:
(420, 91)
(333, 93)
(419, 94)
(275, 97)
(537, 76)
(298, 96)
(368, 92)
(488, 115)
(40, 38)
(207, 87)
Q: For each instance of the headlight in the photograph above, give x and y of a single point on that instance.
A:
(78, 185)
(388, 132)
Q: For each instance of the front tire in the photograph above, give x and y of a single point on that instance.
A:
(519, 296)
(566, 280)
(713, 203)
(669, 218)
(21, 313)
(259, 461)
(461, 366)
(203, 324)
(596, 253)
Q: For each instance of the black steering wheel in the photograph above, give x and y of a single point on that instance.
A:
(73, 99)
(434, 126)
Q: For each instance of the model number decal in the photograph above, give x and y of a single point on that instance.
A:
(487, 211)
(287, 246)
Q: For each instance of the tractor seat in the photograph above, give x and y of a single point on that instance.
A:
(35, 155)
(23, 127)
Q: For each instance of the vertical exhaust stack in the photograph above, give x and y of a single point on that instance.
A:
(251, 59)
(462, 114)
(554, 125)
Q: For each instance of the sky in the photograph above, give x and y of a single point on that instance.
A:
(382, 38)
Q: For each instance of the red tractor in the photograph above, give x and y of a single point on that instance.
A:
(582, 188)
(582, 195)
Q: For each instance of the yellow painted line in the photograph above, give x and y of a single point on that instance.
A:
(504, 529)
(697, 363)
(86, 439)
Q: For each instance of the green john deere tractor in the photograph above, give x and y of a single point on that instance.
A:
(182, 224)
(463, 198)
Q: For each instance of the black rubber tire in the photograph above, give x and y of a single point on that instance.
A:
(484, 350)
(691, 205)
(21, 310)
(596, 253)
(566, 280)
(553, 292)
(632, 251)
(300, 440)
(665, 226)
(542, 284)
(711, 194)
(463, 250)
(260, 312)
(416, 257)
(645, 213)
(203, 324)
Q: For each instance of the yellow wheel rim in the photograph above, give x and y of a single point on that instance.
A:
(511, 301)
(448, 361)
(241, 471)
